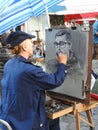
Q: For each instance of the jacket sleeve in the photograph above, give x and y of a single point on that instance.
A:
(46, 81)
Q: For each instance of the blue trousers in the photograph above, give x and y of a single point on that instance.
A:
(54, 124)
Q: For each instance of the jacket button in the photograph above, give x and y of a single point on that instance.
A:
(65, 71)
(41, 125)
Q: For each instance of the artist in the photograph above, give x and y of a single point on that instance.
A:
(24, 84)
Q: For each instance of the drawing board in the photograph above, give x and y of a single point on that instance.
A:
(75, 43)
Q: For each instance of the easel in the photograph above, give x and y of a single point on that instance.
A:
(37, 42)
(79, 107)
(74, 106)
(76, 109)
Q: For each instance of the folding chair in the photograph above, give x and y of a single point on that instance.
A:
(5, 124)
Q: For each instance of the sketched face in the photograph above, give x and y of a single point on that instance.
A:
(62, 44)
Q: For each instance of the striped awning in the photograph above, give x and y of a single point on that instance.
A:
(15, 12)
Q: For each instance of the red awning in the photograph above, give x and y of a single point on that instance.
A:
(80, 17)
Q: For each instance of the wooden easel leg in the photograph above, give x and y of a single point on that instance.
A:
(77, 120)
(89, 116)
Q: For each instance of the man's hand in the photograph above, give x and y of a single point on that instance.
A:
(62, 58)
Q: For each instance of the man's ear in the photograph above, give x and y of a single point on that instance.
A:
(24, 46)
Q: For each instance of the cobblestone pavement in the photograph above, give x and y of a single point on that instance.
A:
(68, 122)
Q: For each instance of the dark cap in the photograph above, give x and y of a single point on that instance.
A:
(15, 38)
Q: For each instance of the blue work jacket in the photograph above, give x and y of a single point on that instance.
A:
(23, 93)
(95, 29)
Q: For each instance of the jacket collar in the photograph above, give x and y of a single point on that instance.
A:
(21, 58)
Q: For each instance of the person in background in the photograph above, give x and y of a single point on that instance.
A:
(73, 25)
(94, 77)
(95, 38)
(24, 84)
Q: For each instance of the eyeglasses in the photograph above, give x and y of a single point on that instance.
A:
(61, 43)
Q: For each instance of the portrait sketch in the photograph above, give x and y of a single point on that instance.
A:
(74, 43)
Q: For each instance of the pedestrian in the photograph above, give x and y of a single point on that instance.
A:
(73, 25)
(95, 38)
(94, 77)
(24, 84)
